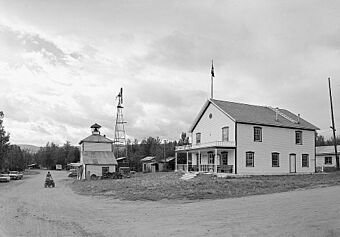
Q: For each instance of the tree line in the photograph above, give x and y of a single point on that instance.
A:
(12, 157)
(321, 141)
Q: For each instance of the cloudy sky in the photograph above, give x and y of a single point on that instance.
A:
(63, 62)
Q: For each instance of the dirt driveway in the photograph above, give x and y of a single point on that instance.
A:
(28, 209)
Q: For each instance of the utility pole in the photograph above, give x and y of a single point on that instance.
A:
(333, 125)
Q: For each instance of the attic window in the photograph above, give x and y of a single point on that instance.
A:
(210, 115)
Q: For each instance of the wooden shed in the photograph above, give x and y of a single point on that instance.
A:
(96, 154)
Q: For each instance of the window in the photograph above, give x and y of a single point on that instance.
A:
(198, 138)
(275, 159)
(225, 134)
(298, 137)
(105, 170)
(305, 160)
(210, 158)
(328, 160)
(257, 134)
(249, 159)
(224, 158)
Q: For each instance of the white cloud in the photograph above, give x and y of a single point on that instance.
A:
(60, 73)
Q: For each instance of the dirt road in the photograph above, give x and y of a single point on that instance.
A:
(28, 209)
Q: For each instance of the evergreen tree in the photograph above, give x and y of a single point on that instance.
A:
(4, 142)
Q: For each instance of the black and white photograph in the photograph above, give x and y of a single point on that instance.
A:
(158, 118)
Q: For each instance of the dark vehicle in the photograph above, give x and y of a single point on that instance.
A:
(72, 173)
(49, 182)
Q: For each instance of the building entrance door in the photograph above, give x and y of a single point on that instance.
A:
(292, 163)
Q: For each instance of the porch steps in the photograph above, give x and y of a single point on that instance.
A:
(188, 176)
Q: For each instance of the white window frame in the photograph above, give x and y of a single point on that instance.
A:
(198, 138)
(225, 134)
(250, 156)
(331, 160)
(305, 156)
(257, 134)
(298, 137)
(276, 155)
(211, 158)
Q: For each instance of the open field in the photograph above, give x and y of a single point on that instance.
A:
(168, 185)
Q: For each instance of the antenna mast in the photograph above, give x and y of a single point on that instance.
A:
(120, 135)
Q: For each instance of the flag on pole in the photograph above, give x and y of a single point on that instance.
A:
(212, 69)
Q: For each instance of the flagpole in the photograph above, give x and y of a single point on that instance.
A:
(212, 81)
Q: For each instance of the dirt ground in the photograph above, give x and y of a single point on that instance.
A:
(29, 209)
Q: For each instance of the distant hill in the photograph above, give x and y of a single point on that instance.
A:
(31, 148)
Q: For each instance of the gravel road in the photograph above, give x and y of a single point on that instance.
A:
(29, 209)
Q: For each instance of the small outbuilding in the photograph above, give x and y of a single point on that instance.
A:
(96, 155)
(150, 164)
(325, 158)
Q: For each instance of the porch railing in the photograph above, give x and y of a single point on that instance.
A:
(204, 145)
(206, 168)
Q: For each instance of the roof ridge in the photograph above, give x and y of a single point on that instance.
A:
(264, 106)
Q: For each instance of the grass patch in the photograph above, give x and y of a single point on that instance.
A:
(158, 186)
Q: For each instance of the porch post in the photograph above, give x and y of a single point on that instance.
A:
(199, 160)
(175, 161)
(215, 160)
(187, 162)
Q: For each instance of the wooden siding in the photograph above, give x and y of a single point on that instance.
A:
(211, 128)
(320, 161)
(281, 140)
(97, 169)
(90, 146)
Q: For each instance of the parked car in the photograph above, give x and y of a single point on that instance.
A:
(72, 173)
(15, 175)
(4, 178)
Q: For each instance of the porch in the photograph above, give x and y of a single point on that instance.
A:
(206, 168)
(212, 157)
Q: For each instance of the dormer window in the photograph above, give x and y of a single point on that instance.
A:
(257, 134)
(198, 138)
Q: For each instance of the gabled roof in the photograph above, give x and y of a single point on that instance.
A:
(99, 157)
(326, 150)
(96, 138)
(255, 114)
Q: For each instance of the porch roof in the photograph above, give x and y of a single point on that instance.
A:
(206, 146)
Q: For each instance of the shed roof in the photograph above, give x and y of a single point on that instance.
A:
(147, 159)
(96, 138)
(326, 150)
(255, 114)
(99, 157)
(121, 158)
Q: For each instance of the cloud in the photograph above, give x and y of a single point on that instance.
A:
(26, 43)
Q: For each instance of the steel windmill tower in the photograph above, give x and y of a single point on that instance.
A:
(120, 135)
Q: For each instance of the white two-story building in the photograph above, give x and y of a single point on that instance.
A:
(229, 137)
